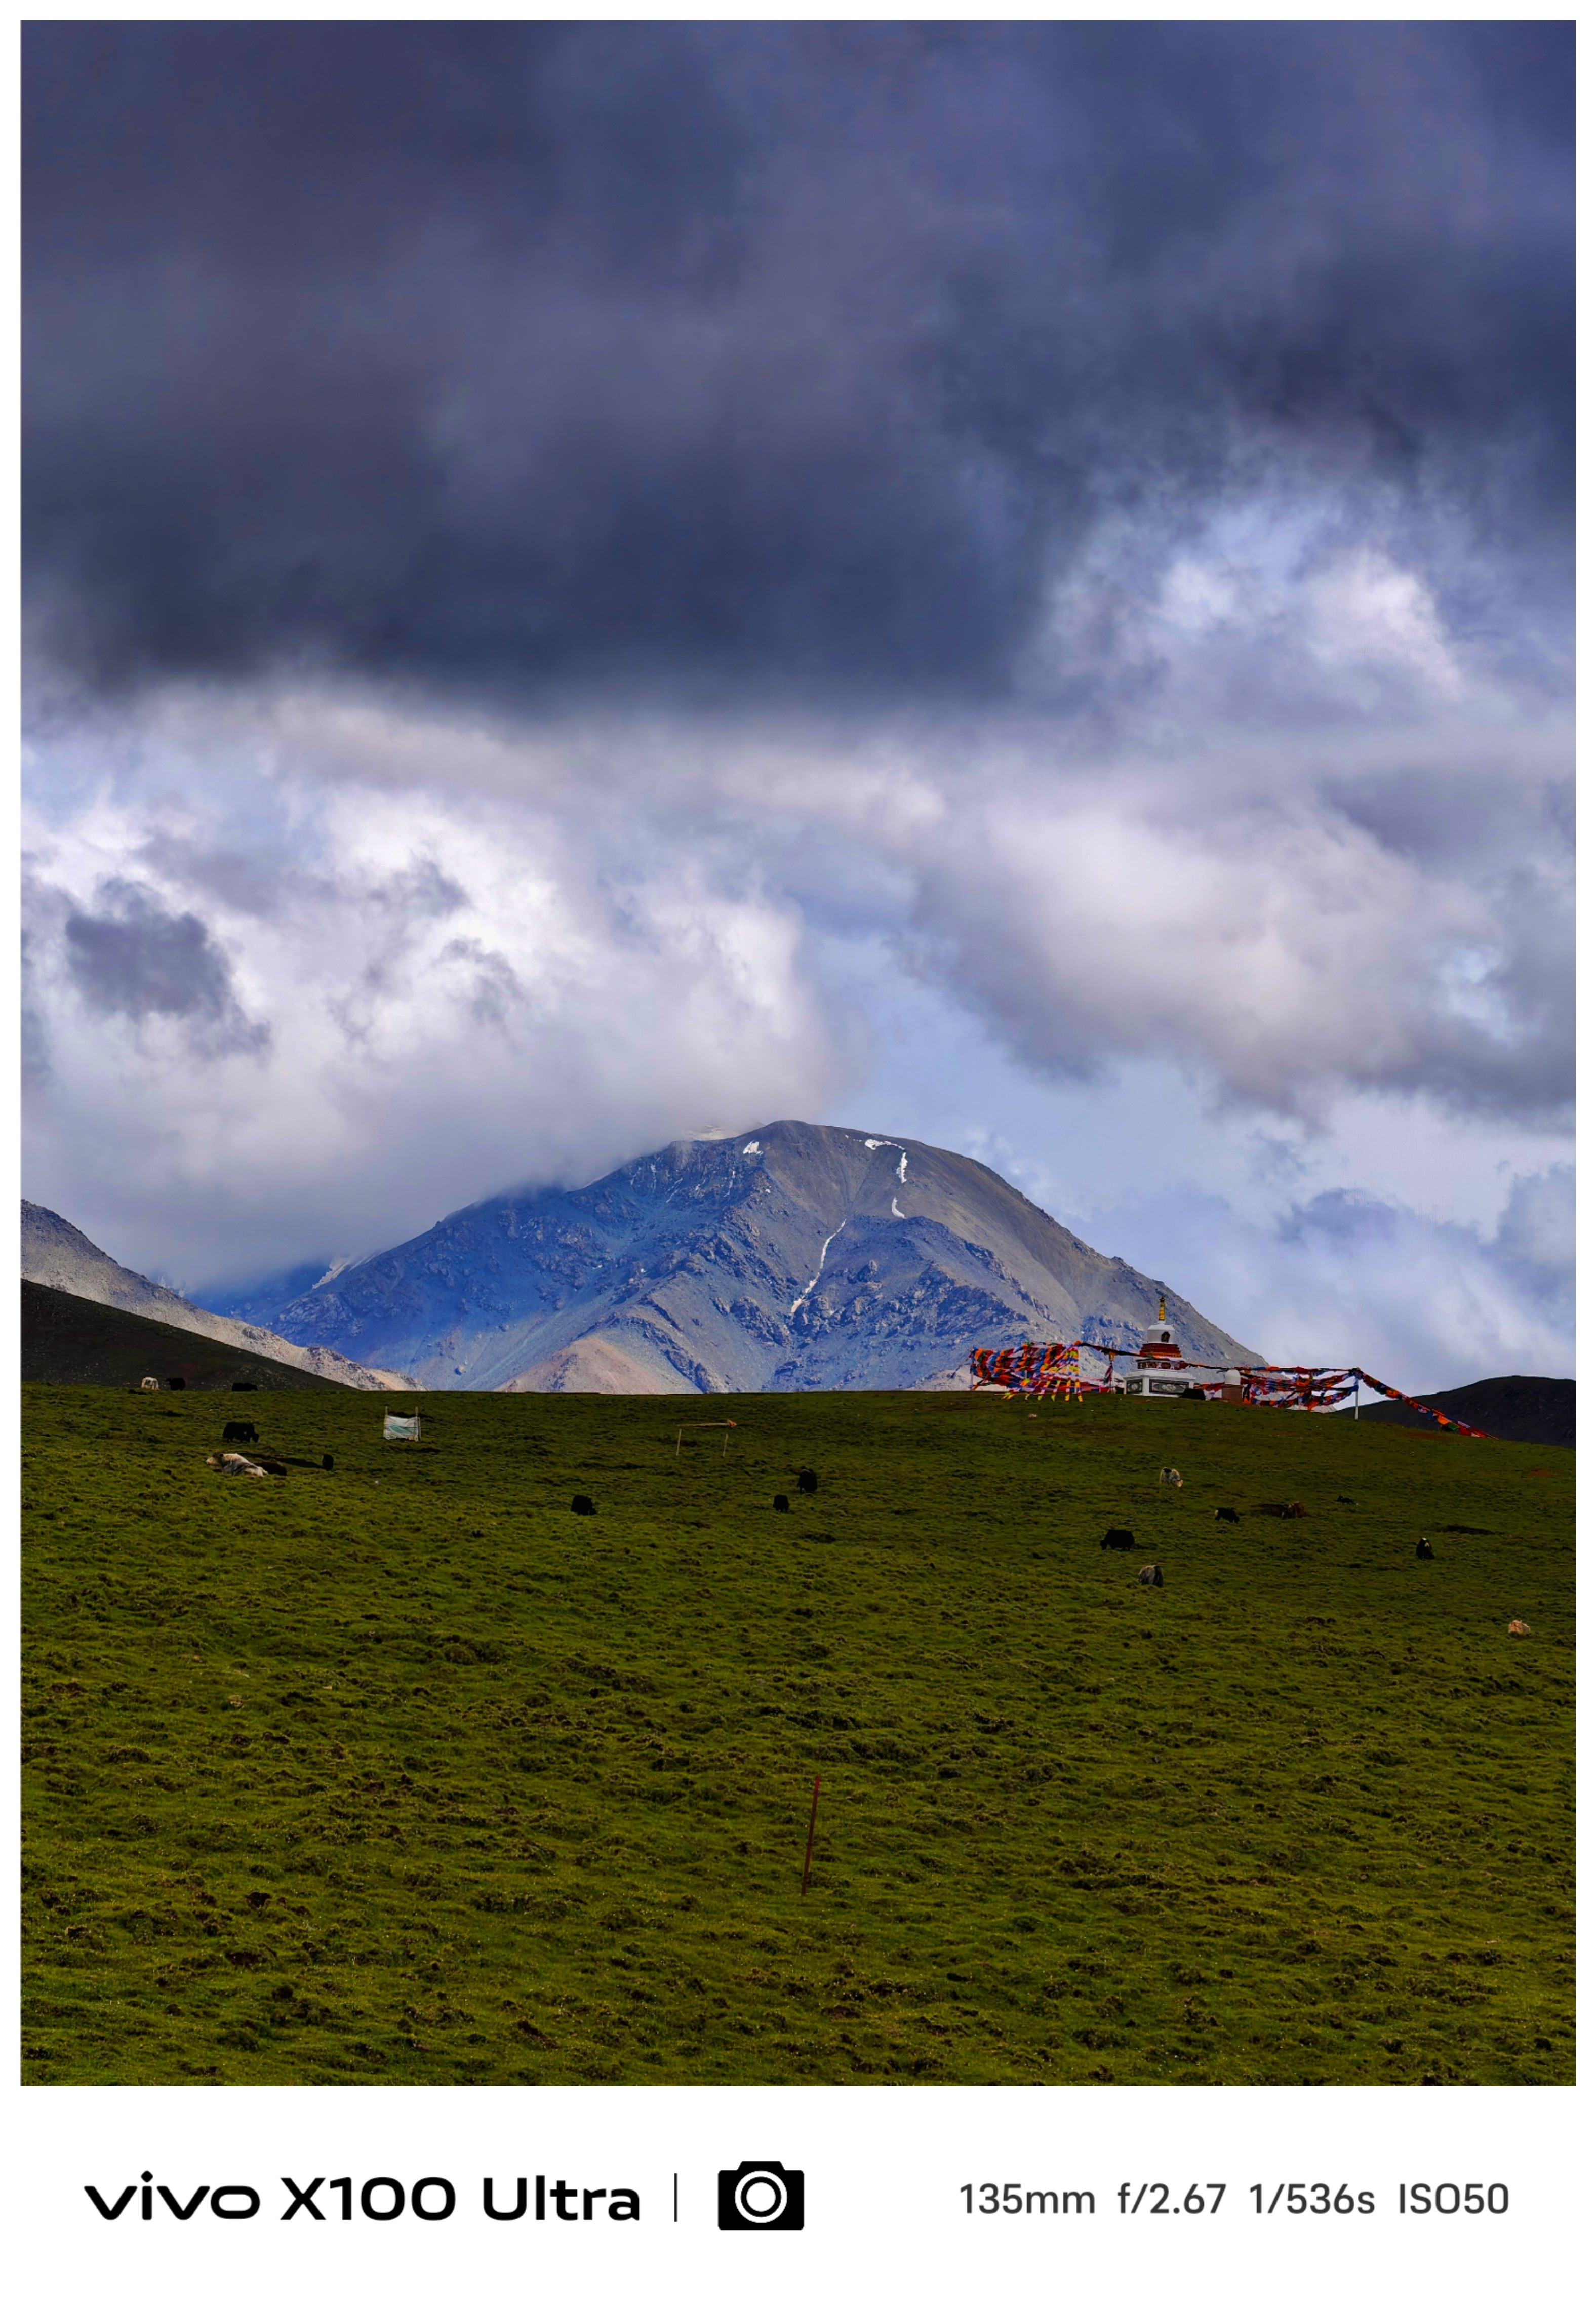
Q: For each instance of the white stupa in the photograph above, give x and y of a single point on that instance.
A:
(1159, 1359)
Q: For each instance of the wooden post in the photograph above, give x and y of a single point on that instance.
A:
(809, 1848)
(725, 1439)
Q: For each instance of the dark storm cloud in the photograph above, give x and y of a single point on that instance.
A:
(132, 959)
(519, 355)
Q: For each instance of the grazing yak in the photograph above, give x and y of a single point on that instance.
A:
(1150, 1575)
(582, 1505)
(1425, 1551)
(240, 1431)
(781, 1504)
(1171, 1475)
(1226, 1515)
(1117, 1539)
(808, 1481)
(1518, 1628)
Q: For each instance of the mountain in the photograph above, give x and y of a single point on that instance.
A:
(56, 1254)
(70, 1341)
(791, 1257)
(1514, 1410)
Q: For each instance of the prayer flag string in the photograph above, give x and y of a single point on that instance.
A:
(1054, 1369)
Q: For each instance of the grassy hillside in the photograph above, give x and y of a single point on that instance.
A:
(405, 1774)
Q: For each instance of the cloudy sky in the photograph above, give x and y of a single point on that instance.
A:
(1008, 585)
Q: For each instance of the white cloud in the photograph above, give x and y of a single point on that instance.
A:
(1367, 613)
(458, 997)
(1344, 1278)
(473, 949)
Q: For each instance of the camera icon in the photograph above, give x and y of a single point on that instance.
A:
(761, 2194)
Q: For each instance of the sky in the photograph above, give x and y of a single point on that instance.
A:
(1006, 584)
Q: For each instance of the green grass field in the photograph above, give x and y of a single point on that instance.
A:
(404, 1774)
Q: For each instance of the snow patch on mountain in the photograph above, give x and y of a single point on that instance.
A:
(814, 1278)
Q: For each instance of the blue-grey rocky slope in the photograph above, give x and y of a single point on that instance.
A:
(791, 1257)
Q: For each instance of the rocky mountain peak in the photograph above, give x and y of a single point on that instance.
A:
(792, 1255)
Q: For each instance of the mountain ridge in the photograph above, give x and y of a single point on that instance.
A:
(793, 1256)
(62, 1257)
(72, 1342)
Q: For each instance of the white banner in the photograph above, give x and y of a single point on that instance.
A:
(788, 2195)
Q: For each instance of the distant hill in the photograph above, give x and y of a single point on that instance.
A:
(72, 1342)
(791, 1257)
(58, 1255)
(1514, 1410)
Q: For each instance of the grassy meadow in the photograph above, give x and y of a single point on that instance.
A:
(405, 1774)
